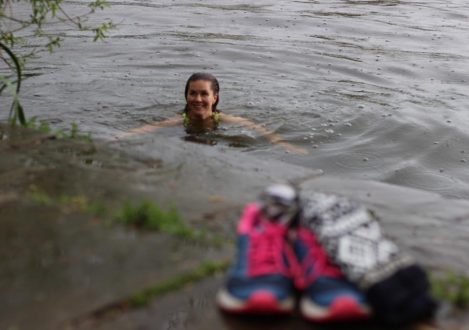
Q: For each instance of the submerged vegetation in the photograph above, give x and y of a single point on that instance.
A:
(36, 17)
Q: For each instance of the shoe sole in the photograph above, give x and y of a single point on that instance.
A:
(262, 302)
(342, 309)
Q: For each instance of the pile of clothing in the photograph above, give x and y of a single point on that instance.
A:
(330, 252)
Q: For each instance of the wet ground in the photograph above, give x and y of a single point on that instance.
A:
(65, 266)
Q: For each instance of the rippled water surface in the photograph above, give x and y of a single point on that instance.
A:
(372, 89)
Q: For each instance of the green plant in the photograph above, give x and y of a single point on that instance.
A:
(37, 125)
(44, 127)
(16, 110)
(39, 197)
(16, 48)
(452, 287)
(148, 215)
(97, 209)
(74, 131)
(67, 203)
(144, 297)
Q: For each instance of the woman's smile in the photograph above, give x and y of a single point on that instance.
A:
(200, 99)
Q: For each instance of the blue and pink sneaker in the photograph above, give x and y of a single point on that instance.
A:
(262, 279)
(327, 295)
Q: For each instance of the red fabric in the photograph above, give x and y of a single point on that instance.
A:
(317, 263)
(269, 251)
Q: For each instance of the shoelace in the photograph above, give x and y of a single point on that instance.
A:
(271, 253)
(317, 263)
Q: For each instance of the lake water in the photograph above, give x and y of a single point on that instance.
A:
(373, 89)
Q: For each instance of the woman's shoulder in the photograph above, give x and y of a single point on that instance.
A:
(232, 119)
(172, 121)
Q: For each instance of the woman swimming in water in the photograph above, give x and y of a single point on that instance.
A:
(200, 114)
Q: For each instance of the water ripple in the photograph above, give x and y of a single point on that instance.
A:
(395, 71)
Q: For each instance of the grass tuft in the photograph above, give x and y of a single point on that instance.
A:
(144, 297)
(148, 215)
(44, 127)
(145, 215)
(453, 288)
(68, 203)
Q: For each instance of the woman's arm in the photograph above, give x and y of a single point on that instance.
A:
(272, 137)
(147, 128)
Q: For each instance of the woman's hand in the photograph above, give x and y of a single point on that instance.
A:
(148, 128)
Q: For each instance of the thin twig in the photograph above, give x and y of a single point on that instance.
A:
(15, 104)
(16, 20)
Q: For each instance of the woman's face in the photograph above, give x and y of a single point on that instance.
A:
(200, 99)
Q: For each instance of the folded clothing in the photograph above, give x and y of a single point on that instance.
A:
(395, 286)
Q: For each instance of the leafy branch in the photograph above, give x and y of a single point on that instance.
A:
(16, 110)
(25, 27)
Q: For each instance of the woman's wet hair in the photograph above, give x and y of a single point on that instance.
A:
(206, 77)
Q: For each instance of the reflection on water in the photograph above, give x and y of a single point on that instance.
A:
(367, 87)
(199, 138)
